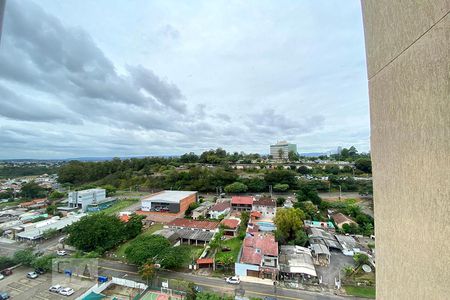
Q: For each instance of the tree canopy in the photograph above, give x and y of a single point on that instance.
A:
(288, 221)
(97, 232)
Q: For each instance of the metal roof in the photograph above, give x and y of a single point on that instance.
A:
(35, 233)
(296, 259)
(320, 249)
(205, 236)
(169, 196)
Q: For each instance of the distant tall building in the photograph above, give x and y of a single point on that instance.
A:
(281, 149)
(339, 150)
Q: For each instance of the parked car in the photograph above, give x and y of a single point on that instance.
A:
(32, 275)
(7, 272)
(55, 288)
(198, 289)
(61, 252)
(233, 280)
(1, 276)
(39, 271)
(67, 291)
(4, 295)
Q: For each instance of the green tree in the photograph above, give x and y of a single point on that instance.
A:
(364, 165)
(301, 238)
(44, 262)
(97, 232)
(308, 193)
(32, 190)
(51, 209)
(24, 257)
(236, 187)
(174, 257)
(361, 259)
(280, 201)
(55, 195)
(110, 190)
(288, 221)
(293, 156)
(191, 207)
(281, 187)
(274, 177)
(144, 248)
(6, 262)
(133, 227)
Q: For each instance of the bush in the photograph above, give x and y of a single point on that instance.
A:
(24, 257)
(281, 187)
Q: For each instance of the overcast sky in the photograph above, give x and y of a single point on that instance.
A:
(101, 78)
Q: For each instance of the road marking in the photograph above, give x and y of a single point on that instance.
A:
(118, 270)
(16, 289)
(250, 291)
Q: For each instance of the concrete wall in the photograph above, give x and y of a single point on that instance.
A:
(241, 269)
(408, 57)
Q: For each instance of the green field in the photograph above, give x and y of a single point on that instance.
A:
(119, 206)
(360, 291)
(120, 252)
(234, 244)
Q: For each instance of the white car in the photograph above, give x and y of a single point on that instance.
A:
(61, 252)
(1, 276)
(67, 291)
(55, 288)
(32, 275)
(233, 280)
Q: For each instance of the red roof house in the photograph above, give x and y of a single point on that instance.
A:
(181, 223)
(259, 250)
(242, 203)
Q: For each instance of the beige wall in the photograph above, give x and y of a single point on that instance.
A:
(408, 59)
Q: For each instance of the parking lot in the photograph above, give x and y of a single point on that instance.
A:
(21, 287)
(331, 272)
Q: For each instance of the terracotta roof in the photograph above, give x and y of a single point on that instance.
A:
(231, 223)
(256, 214)
(221, 206)
(187, 223)
(341, 218)
(255, 247)
(242, 200)
(265, 202)
(207, 260)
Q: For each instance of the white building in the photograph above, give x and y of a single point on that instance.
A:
(283, 148)
(81, 199)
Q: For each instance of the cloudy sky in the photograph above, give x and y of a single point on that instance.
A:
(101, 78)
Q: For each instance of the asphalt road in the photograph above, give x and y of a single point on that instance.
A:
(218, 285)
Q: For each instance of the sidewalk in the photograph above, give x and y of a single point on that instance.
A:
(256, 280)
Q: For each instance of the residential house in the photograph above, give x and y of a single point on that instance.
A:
(181, 223)
(219, 209)
(242, 203)
(340, 219)
(201, 211)
(230, 226)
(258, 256)
(266, 206)
(317, 224)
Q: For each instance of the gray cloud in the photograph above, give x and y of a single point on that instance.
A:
(88, 92)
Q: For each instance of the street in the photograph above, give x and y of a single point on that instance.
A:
(217, 285)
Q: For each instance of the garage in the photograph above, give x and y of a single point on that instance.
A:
(252, 273)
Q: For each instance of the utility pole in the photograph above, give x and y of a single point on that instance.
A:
(340, 192)
(270, 190)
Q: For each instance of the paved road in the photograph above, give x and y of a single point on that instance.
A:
(117, 269)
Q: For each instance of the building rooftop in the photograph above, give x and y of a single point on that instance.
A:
(194, 224)
(257, 246)
(40, 227)
(205, 236)
(221, 206)
(328, 239)
(341, 218)
(296, 259)
(231, 223)
(320, 249)
(169, 196)
(239, 200)
(265, 202)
